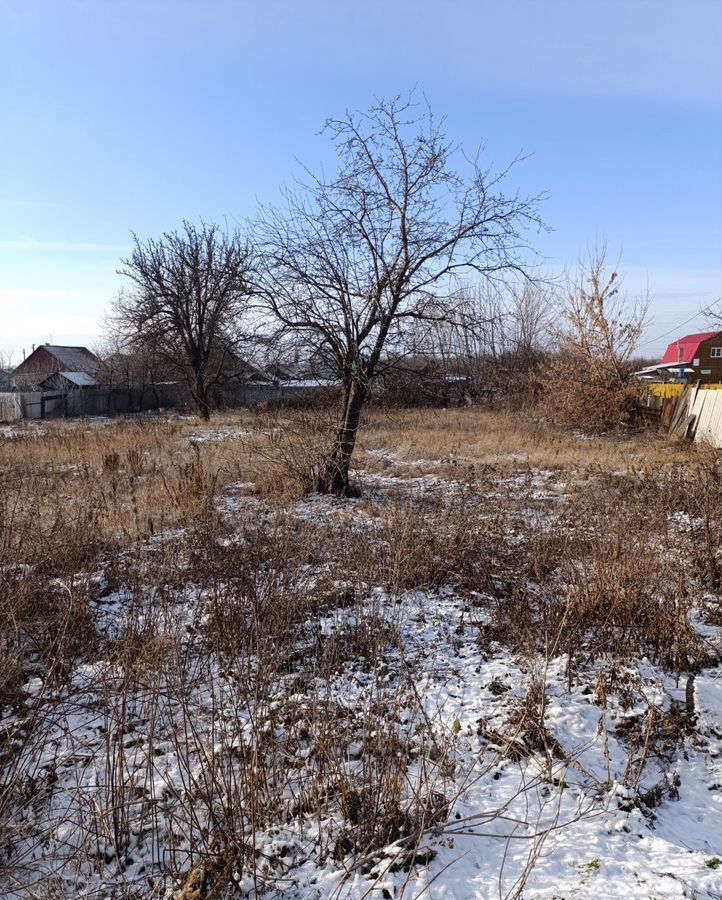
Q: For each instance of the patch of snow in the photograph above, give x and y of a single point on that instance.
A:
(213, 437)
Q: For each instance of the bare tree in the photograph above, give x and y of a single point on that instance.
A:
(6, 368)
(497, 337)
(469, 348)
(189, 290)
(531, 318)
(130, 365)
(351, 260)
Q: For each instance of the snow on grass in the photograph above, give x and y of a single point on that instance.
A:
(590, 840)
(21, 429)
(566, 825)
(199, 438)
(607, 800)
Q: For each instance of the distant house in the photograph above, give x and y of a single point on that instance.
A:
(77, 364)
(691, 359)
(279, 371)
(246, 371)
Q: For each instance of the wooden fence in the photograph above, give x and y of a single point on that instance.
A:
(87, 402)
(105, 402)
(698, 414)
(11, 407)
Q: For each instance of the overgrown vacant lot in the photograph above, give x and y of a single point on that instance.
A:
(495, 673)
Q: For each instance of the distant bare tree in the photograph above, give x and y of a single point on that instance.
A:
(189, 290)
(497, 337)
(470, 345)
(531, 316)
(6, 368)
(130, 365)
(713, 313)
(353, 259)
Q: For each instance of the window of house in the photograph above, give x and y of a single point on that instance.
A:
(696, 362)
(716, 352)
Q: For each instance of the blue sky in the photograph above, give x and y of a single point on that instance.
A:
(132, 115)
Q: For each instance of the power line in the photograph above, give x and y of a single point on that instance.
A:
(672, 330)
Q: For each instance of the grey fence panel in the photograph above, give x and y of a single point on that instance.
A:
(87, 402)
(33, 404)
(282, 392)
(11, 407)
(118, 401)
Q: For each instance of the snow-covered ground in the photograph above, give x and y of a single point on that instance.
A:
(219, 434)
(613, 790)
(566, 827)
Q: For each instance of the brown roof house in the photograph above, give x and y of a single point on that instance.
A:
(691, 359)
(61, 366)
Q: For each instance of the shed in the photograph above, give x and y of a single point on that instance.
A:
(68, 381)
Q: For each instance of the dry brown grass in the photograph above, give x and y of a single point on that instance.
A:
(139, 476)
(509, 440)
(72, 494)
(220, 617)
(134, 476)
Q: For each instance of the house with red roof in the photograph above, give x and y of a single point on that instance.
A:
(695, 358)
(691, 359)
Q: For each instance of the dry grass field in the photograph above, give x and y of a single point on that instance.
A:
(133, 477)
(495, 672)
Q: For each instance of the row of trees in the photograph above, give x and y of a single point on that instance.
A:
(365, 266)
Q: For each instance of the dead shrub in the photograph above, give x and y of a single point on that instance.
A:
(427, 546)
(696, 491)
(362, 641)
(571, 396)
(192, 488)
(254, 593)
(602, 580)
(291, 453)
(623, 597)
(590, 384)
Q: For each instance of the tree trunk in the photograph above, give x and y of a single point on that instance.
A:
(204, 410)
(334, 475)
(200, 396)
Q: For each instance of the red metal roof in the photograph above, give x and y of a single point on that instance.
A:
(688, 345)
